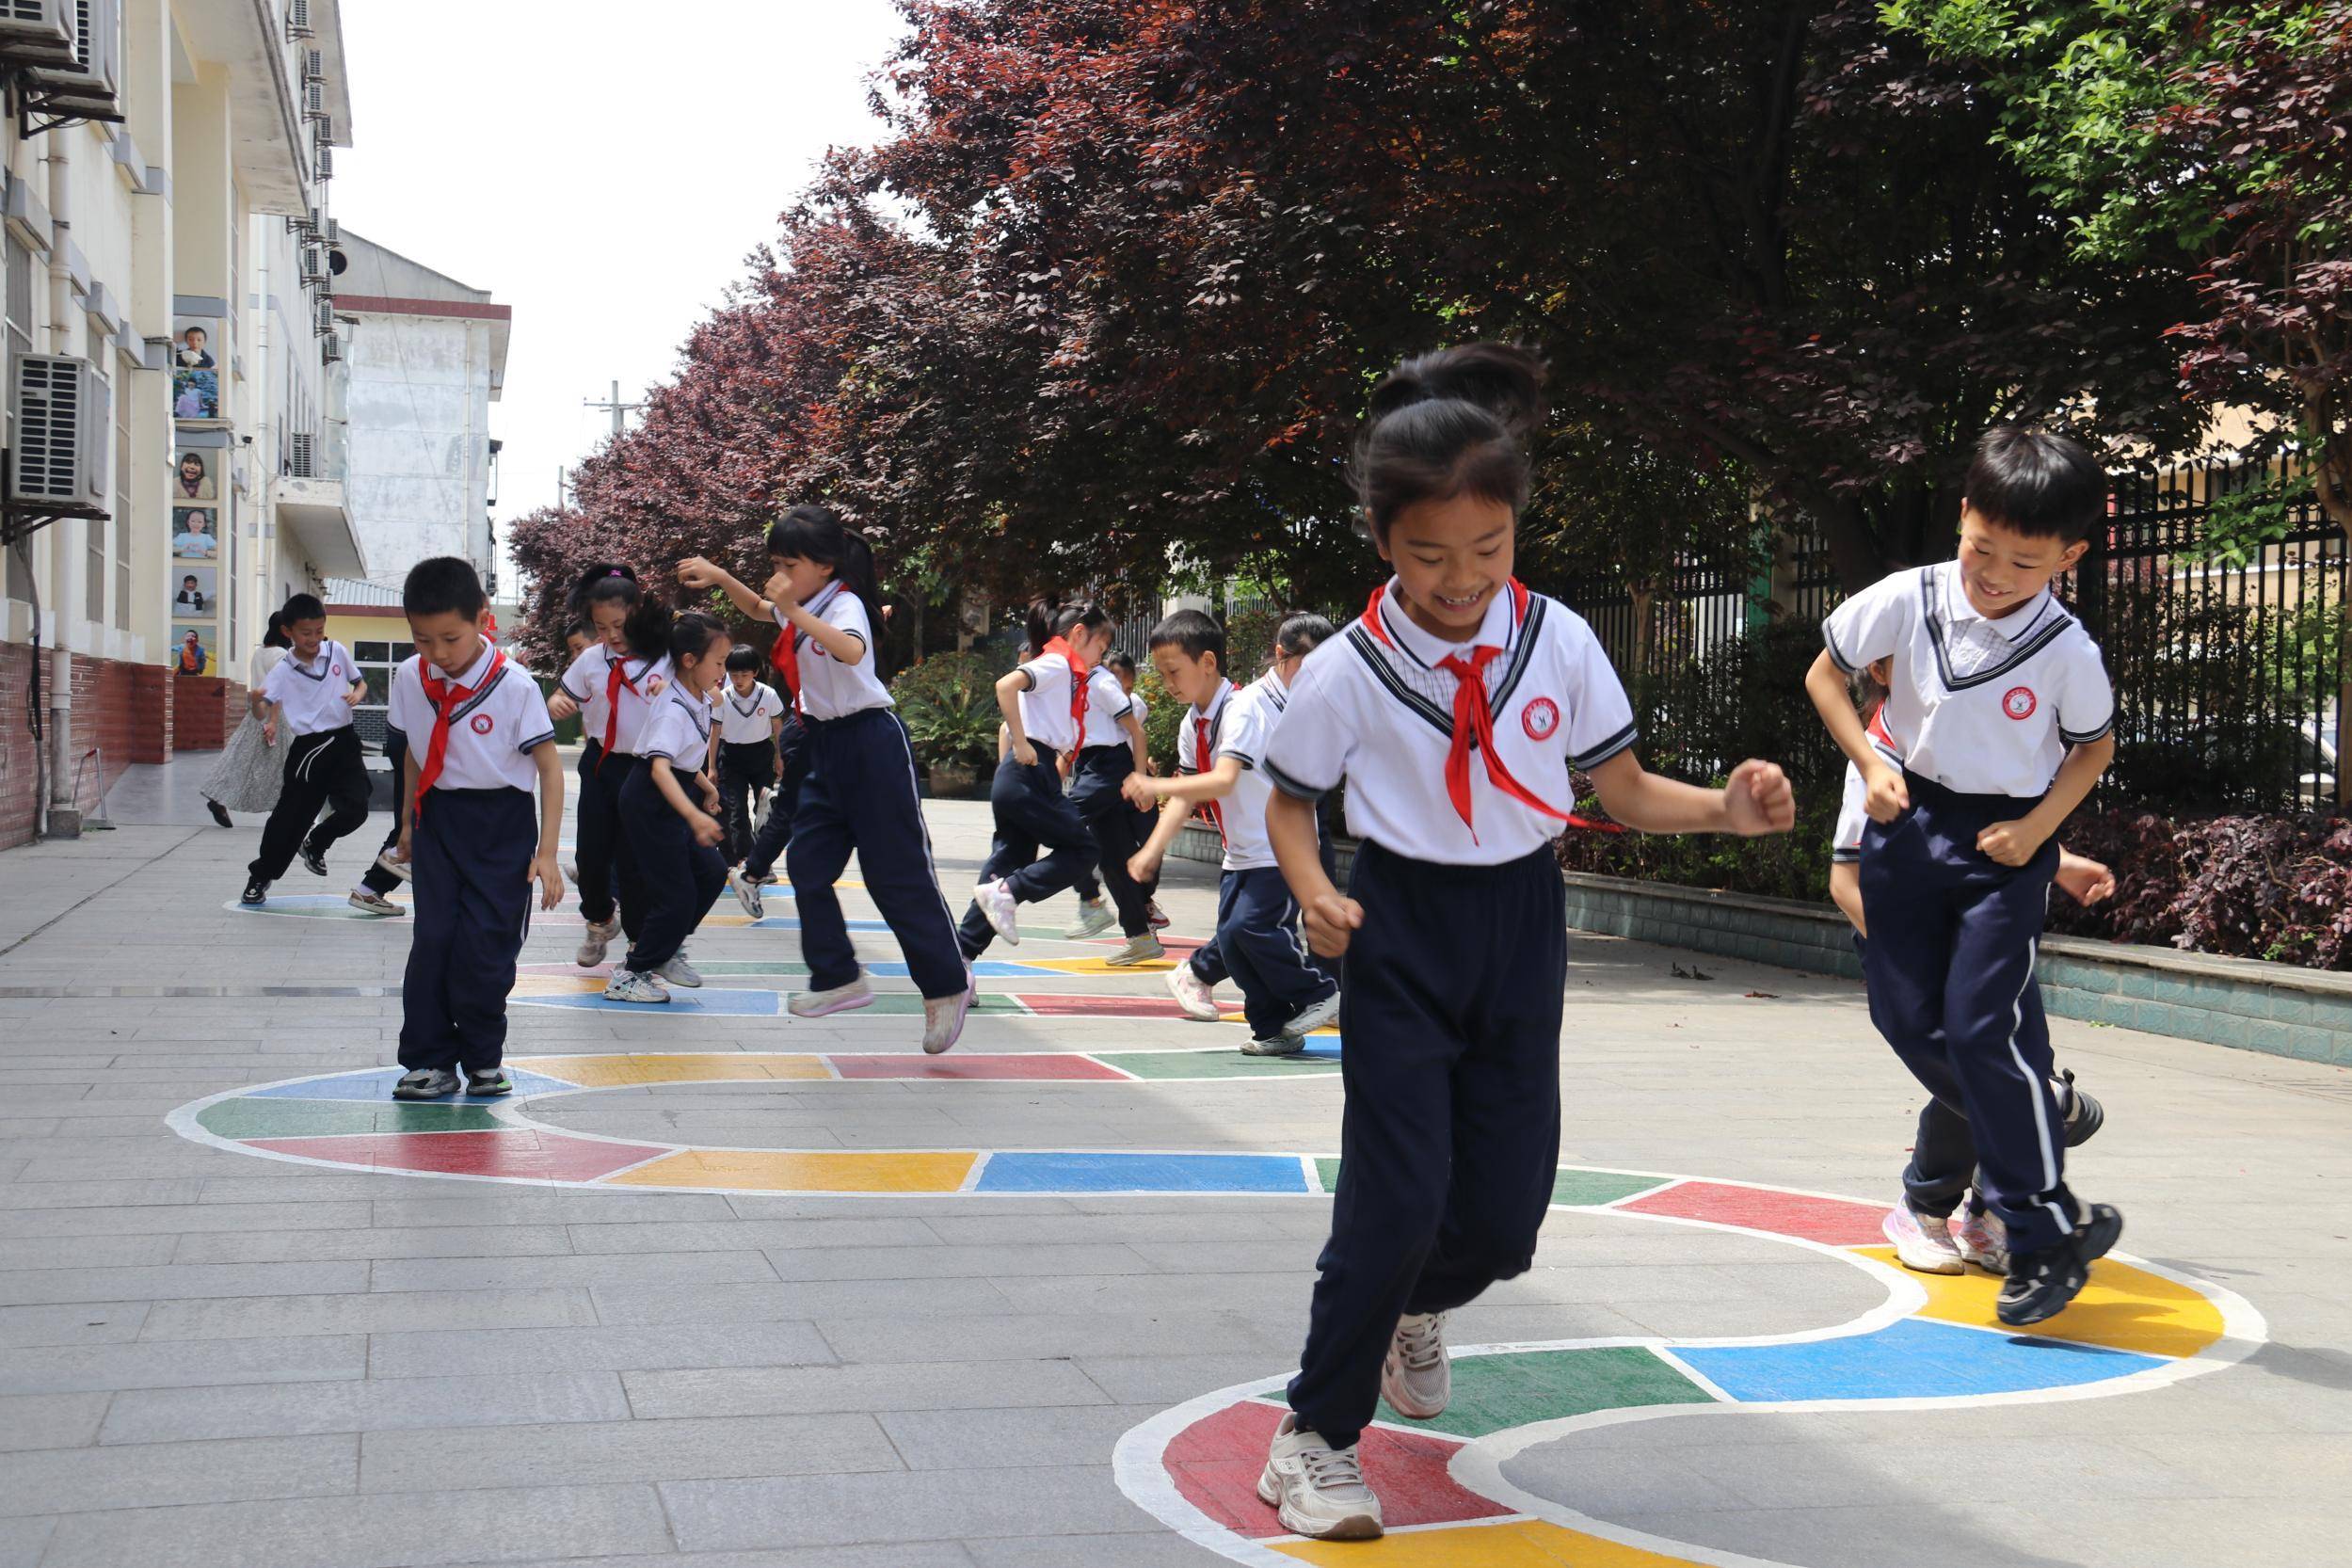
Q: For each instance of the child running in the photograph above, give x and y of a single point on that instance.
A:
(751, 719)
(311, 692)
(859, 794)
(2004, 714)
(469, 838)
(672, 838)
(1452, 709)
(613, 687)
(1109, 753)
(1043, 702)
(1285, 995)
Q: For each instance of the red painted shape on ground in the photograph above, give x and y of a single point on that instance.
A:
(541, 1156)
(1836, 1222)
(1107, 1007)
(1215, 1462)
(1034, 1065)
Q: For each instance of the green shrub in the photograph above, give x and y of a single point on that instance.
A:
(949, 702)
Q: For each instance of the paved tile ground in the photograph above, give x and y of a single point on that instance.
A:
(213, 1359)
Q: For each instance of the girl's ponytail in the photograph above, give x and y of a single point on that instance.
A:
(1449, 424)
(648, 627)
(1038, 629)
(605, 582)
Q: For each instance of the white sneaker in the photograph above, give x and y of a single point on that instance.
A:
(1922, 1242)
(1984, 1241)
(1004, 914)
(943, 1017)
(678, 972)
(374, 902)
(1193, 995)
(1318, 1489)
(628, 985)
(593, 943)
(1418, 1378)
(1139, 950)
(746, 892)
(1275, 1045)
(1094, 915)
(1314, 1015)
(398, 868)
(1158, 916)
(836, 999)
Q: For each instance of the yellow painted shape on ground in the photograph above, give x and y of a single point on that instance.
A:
(620, 1072)
(1517, 1543)
(557, 986)
(785, 1171)
(1244, 1017)
(2122, 1308)
(1096, 965)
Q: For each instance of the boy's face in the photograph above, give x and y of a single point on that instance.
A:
(2002, 568)
(1188, 680)
(576, 642)
(1451, 558)
(447, 640)
(743, 680)
(188, 583)
(306, 635)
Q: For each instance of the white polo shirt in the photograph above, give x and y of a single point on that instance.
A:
(315, 695)
(748, 720)
(1249, 721)
(833, 688)
(1853, 807)
(678, 729)
(1045, 706)
(1990, 707)
(1375, 711)
(1107, 703)
(1142, 709)
(589, 678)
(492, 734)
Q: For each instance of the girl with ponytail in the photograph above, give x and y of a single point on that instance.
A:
(1452, 709)
(613, 685)
(1045, 702)
(859, 794)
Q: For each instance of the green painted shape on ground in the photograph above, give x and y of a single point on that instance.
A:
(1212, 1064)
(1590, 1189)
(291, 1118)
(1493, 1393)
(1327, 1172)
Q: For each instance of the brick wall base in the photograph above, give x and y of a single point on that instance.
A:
(128, 712)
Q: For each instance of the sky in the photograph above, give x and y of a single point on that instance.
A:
(604, 166)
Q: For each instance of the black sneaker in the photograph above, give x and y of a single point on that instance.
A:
(220, 812)
(488, 1081)
(315, 860)
(425, 1083)
(256, 892)
(2085, 1117)
(2041, 1283)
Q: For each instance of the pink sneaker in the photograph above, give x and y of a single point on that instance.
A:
(1984, 1241)
(1923, 1242)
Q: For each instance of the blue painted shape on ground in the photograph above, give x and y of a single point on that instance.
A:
(1912, 1358)
(982, 968)
(792, 922)
(707, 1003)
(1320, 1047)
(1141, 1173)
(376, 1083)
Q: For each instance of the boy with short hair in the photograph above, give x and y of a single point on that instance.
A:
(479, 739)
(2006, 711)
(1220, 740)
(750, 757)
(311, 692)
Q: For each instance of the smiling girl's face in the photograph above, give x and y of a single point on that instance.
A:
(700, 673)
(1451, 558)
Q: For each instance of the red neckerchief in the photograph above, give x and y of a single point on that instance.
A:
(446, 696)
(615, 677)
(1078, 669)
(1475, 720)
(786, 660)
(1210, 809)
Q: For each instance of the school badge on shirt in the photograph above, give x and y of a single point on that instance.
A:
(1540, 718)
(481, 724)
(2018, 702)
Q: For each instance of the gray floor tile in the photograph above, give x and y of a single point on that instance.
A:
(160, 1475)
(374, 1405)
(593, 1452)
(868, 1387)
(480, 1351)
(50, 1420)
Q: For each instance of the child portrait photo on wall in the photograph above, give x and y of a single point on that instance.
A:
(192, 476)
(193, 535)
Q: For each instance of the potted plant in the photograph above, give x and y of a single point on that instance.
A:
(949, 702)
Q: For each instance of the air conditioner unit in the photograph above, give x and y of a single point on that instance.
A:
(324, 161)
(330, 232)
(63, 415)
(325, 318)
(298, 19)
(330, 351)
(314, 100)
(36, 30)
(90, 84)
(314, 268)
(302, 461)
(314, 65)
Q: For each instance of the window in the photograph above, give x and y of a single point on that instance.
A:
(376, 661)
(122, 506)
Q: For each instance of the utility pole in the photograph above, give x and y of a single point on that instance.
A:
(618, 409)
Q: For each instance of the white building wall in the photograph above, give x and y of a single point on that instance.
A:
(418, 400)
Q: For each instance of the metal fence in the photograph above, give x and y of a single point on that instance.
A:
(2229, 674)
